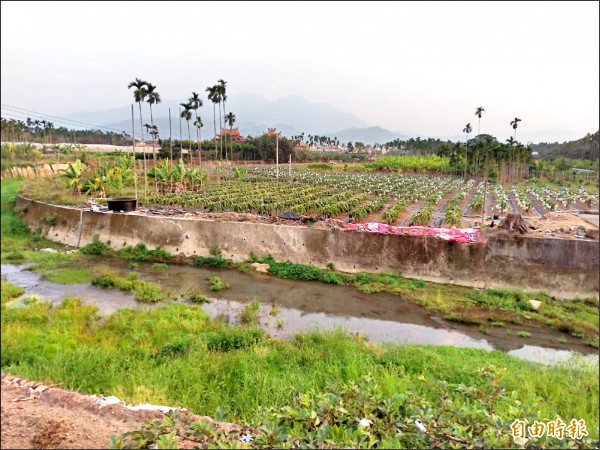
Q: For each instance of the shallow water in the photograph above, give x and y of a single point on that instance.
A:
(308, 305)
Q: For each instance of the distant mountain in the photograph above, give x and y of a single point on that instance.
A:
(585, 147)
(370, 135)
(252, 111)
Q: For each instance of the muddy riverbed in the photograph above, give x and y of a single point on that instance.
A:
(305, 306)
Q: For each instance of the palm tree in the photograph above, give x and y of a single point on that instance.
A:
(478, 112)
(187, 115)
(213, 96)
(467, 129)
(153, 98)
(196, 102)
(198, 124)
(515, 123)
(139, 95)
(230, 120)
(222, 89)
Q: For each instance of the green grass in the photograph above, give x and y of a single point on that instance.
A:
(144, 291)
(175, 355)
(96, 247)
(199, 298)
(70, 276)
(251, 313)
(212, 261)
(9, 292)
(217, 283)
(140, 252)
(523, 334)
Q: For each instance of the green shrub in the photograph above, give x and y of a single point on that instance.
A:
(176, 347)
(217, 283)
(251, 313)
(304, 272)
(96, 247)
(14, 256)
(231, 338)
(145, 291)
(199, 298)
(212, 261)
(141, 253)
(159, 266)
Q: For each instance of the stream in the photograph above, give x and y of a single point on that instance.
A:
(307, 305)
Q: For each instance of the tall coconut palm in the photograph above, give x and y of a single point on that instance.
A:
(152, 98)
(467, 129)
(196, 102)
(187, 115)
(213, 96)
(139, 94)
(198, 124)
(515, 124)
(478, 112)
(230, 120)
(223, 98)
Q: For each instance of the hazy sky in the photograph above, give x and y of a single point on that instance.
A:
(409, 67)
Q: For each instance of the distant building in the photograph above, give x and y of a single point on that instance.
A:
(272, 132)
(234, 134)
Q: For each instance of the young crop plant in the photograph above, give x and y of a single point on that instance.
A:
(476, 203)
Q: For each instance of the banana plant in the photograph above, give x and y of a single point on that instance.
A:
(73, 175)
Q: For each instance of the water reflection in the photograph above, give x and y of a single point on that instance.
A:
(309, 305)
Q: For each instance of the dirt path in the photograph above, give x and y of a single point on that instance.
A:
(35, 415)
(53, 418)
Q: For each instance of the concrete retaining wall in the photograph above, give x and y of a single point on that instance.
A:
(558, 266)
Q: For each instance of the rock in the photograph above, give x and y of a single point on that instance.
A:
(535, 304)
(262, 268)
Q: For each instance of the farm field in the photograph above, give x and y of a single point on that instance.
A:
(396, 199)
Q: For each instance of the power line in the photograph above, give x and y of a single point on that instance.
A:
(16, 109)
(11, 114)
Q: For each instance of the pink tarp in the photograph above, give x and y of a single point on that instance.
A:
(465, 235)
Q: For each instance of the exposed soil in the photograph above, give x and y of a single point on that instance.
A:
(562, 224)
(35, 415)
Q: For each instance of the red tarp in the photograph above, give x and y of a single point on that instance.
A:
(465, 235)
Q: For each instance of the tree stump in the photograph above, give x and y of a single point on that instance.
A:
(514, 222)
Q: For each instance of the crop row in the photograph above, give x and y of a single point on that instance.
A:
(453, 214)
(423, 216)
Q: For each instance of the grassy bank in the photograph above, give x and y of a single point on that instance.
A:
(175, 355)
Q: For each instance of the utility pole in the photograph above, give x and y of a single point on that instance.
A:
(484, 187)
(290, 168)
(170, 140)
(277, 153)
(134, 160)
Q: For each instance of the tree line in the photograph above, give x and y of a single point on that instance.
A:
(45, 132)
